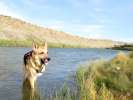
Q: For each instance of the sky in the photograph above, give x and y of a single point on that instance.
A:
(100, 19)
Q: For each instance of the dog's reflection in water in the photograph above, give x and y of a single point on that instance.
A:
(28, 93)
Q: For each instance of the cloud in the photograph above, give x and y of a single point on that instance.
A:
(96, 2)
(76, 3)
(84, 30)
(98, 9)
(56, 24)
(90, 30)
(5, 10)
(36, 4)
(79, 3)
(130, 7)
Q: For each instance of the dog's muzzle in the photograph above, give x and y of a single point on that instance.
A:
(45, 60)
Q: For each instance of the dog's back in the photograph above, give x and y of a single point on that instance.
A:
(27, 57)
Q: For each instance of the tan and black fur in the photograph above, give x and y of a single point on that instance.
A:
(35, 62)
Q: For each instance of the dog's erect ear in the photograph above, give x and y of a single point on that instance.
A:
(34, 46)
(45, 45)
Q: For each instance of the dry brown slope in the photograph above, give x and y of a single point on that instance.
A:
(15, 29)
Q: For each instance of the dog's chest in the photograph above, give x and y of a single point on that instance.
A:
(43, 69)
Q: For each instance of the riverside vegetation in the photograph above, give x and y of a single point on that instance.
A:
(128, 47)
(102, 80)
(28, 43)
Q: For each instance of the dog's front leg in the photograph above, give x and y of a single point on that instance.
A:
(32, 82)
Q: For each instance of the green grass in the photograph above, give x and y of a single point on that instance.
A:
(102, 80)
(28, 43)
(128, 47)
(7, 43)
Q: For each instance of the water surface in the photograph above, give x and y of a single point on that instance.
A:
(63, 64)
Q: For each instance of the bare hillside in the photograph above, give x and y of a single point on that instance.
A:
(15, 29)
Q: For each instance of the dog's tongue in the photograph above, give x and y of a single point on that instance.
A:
(45, 61)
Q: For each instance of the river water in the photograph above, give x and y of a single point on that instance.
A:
(63, 64)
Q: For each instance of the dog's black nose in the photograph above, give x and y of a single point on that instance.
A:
(48, 59)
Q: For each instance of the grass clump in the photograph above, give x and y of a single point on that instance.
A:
(111, 80)
(103, 80)
(64, 93)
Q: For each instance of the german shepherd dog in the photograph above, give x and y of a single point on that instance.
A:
(35, 62)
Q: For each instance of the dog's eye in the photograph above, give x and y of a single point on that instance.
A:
(42, 53)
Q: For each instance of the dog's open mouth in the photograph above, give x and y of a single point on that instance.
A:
(45, 60)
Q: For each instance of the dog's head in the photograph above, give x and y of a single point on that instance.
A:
(40, 53)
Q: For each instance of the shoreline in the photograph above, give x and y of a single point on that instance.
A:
(28, 43)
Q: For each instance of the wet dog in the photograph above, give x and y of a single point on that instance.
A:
(35, 62)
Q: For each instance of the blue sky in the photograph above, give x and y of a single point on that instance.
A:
(102, 19)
